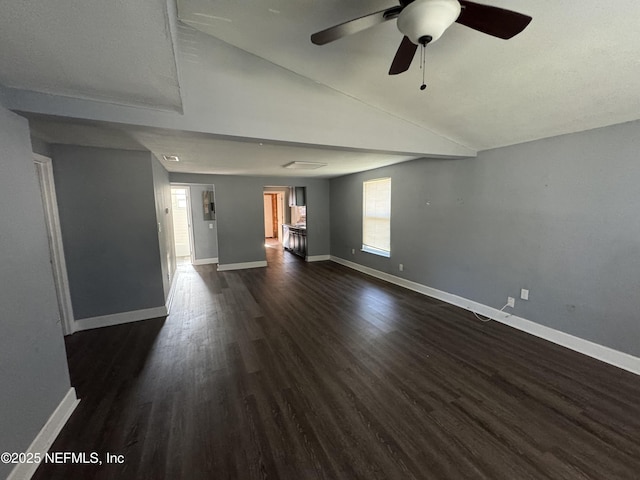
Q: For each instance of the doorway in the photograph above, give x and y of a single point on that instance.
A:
(44, 172)
(181, 213)
(273, 218)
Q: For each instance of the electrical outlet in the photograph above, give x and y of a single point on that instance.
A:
(353, 251)
(401, 267)
(524, 294)
(511, 302)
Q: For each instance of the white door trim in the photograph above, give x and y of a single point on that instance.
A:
(187, 188)
(192, 242)
(44, 169)
(280, 214)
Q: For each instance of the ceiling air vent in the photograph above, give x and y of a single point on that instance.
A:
(170, 158)
(304, 165)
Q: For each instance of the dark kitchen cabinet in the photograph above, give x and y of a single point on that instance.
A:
(296, 240)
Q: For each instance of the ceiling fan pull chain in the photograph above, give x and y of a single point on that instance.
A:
(423, 58)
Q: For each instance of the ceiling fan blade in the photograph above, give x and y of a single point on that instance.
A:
(354, 26)
(404, 56)
(494, 21)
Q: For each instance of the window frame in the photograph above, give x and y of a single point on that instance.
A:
(373, 249)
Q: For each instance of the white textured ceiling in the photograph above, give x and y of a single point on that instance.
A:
(114, 51)
(203, 153)
(576, 67)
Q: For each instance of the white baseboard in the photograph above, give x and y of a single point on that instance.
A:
(45, 438)
(241, 266)
(594, 350)
(120, 318)
(205, 261)
(318, 258)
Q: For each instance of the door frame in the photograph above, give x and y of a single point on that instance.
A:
(186, 187)
(280, 197)
(275, 215)
(44, 171)
(279, 213)
(192, 240)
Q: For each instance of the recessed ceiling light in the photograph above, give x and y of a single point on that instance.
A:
(170, 158)
(304, 165)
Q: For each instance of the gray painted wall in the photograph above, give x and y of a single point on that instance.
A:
(109, 229)
(240, 213)
(33, 366)
(205, 239)
(162, 195)
(558, 216)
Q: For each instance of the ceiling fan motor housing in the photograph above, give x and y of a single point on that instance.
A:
(427, 18)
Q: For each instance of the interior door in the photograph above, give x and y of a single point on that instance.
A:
(268, 216)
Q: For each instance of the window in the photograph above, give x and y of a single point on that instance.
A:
(376, 217)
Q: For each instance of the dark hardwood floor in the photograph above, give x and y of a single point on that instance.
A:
(314, 371)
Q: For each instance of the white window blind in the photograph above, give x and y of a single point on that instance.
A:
(376, 216)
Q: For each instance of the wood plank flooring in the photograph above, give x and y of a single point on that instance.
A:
(314, 371)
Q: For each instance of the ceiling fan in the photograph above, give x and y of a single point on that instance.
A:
(424, 21)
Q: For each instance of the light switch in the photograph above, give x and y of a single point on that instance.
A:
(524, 294)
(211, 226)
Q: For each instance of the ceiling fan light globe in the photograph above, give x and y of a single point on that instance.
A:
(427, 18)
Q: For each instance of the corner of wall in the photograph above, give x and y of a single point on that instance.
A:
(162, 198)
(40, 147)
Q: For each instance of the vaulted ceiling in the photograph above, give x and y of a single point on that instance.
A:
(224, 76)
